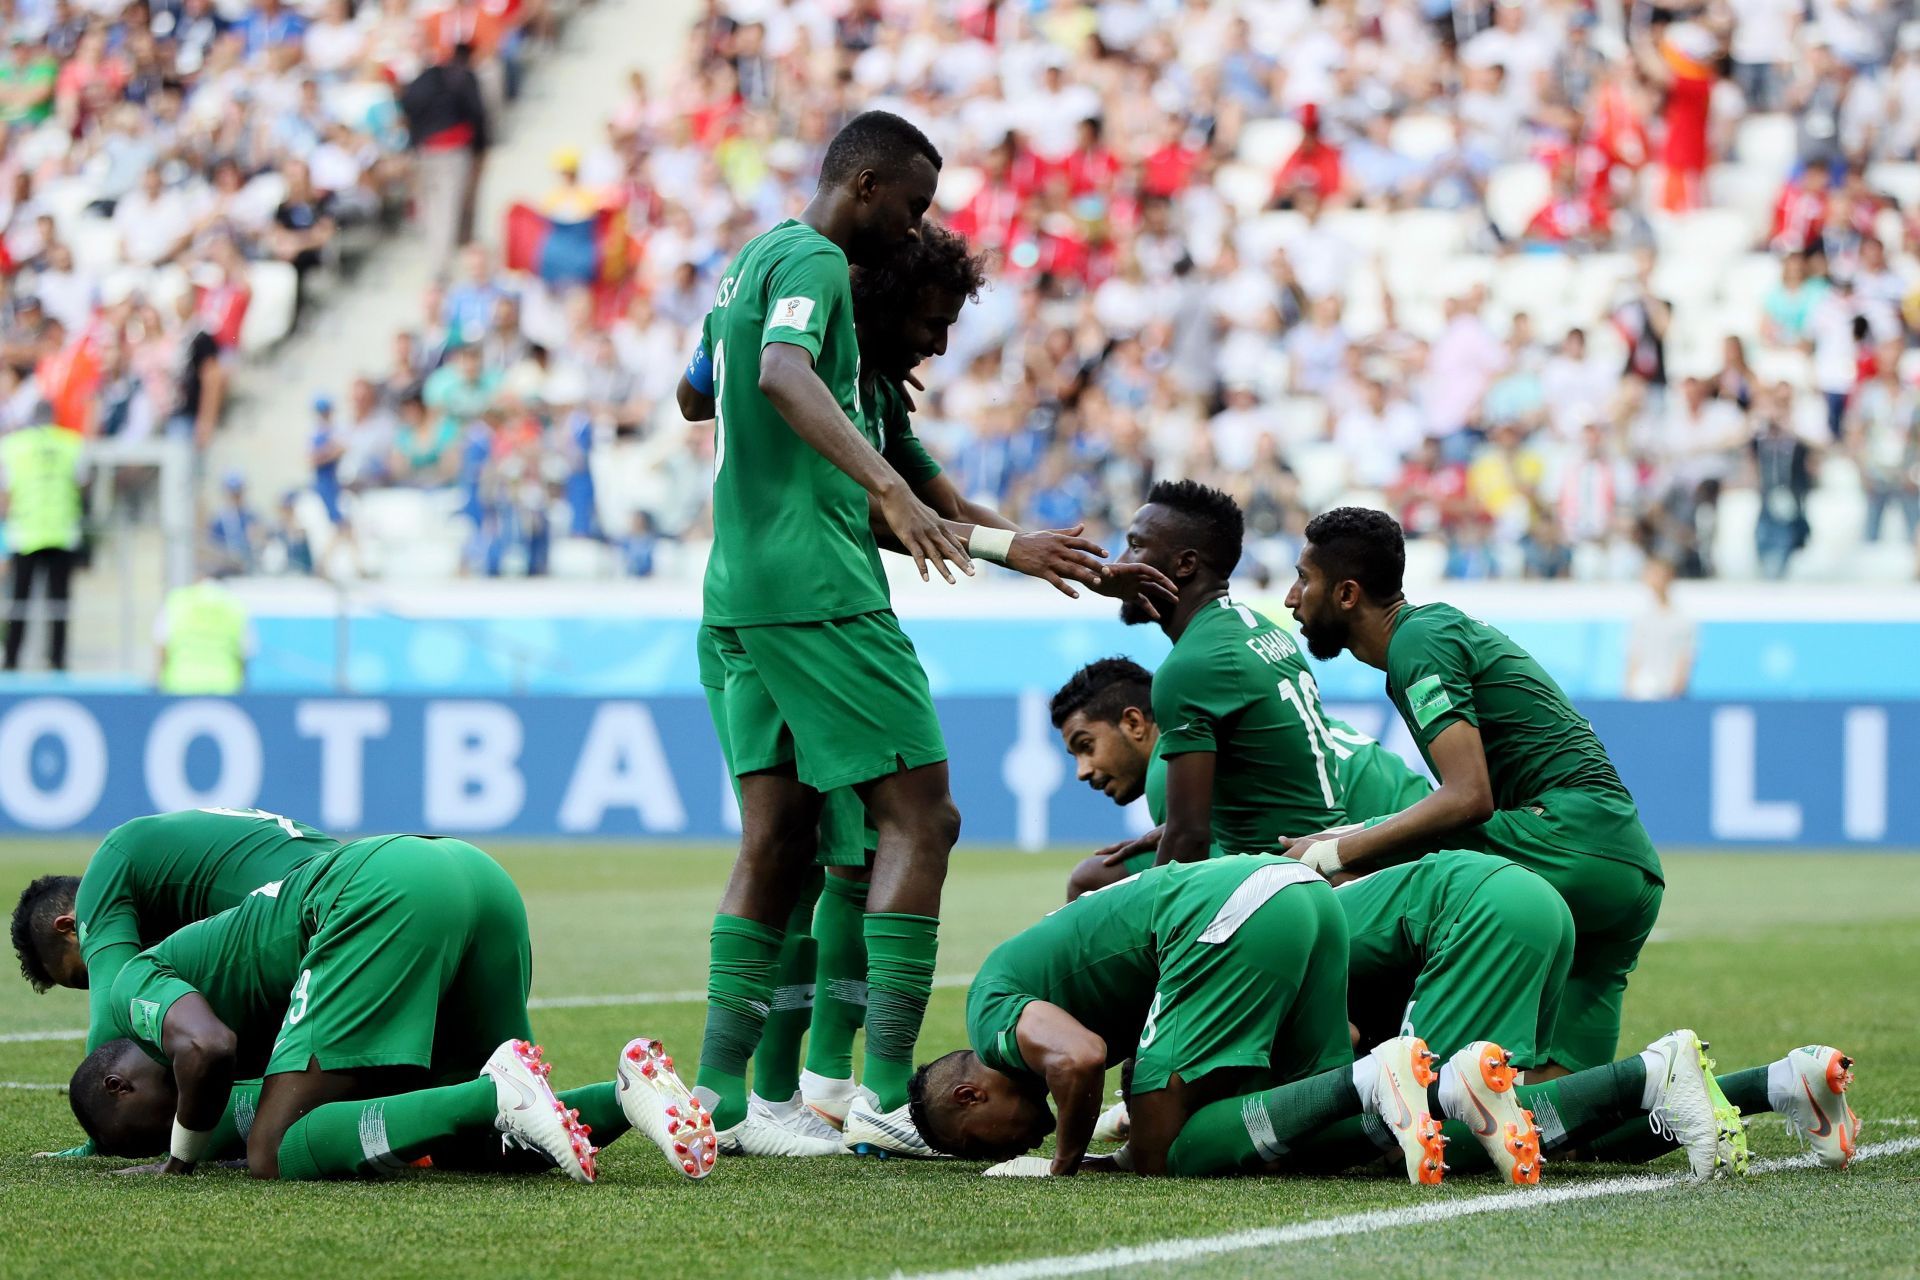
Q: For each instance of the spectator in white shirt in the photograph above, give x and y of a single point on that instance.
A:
(1575, 386)
(154, 222)
(1375, 434)
(1660, 642)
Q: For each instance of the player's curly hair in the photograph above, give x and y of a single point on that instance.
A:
(1102, 690)
(33, 917)
(877, 140)
(1214, 524)
(1359, 544)
(939, 260)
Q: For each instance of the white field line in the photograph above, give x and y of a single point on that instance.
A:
(1177, 1251)
(34, 1086)
(538, 1002)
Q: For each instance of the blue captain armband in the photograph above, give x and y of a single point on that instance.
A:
(700, 371)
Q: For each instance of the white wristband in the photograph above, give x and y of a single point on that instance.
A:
(991, 544)
(189, 1145)
(1323, 856)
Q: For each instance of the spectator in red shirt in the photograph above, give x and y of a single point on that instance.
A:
(1091, 167)
(1314, 165)
(1800, 214)
(1571, 217)
(1169, 166)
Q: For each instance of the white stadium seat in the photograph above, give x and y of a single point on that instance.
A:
(275, 289)
(1770, 143)
(1901, 181)
(1422, 137)
(1266, 144)
(1515, 193)
(1244, 187)
(1733, 550)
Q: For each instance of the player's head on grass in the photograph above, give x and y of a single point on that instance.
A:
(124, 1100)
(1104, 713)
(1348, 578)
(45, 936)
(965, 1108)
(876, 183)
(904, 305)
(1192, 534)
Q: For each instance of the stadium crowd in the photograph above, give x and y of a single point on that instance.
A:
(1561, 293)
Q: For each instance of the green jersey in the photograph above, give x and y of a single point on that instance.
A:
(1236, 685)
(154, 876)
(1100, 957)
(1444, 668)
(791, 541)
(1373, 782)
(886, 403)
(244, 962)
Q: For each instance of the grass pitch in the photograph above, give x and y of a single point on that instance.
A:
(1758, 952)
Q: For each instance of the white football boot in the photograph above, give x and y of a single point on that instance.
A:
(870, 1132)
(1689, 1107)
(1813, 1098)
(663, 1110)
(1477, 1090)
(796, 1115)
(1405, 1069)
(828, 1097)
(530, 1116)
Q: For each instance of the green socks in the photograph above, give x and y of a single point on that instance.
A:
(342, 1139)
(900, 955)
(776, 1063)
(840, 990)
(1635, 1142)
(230, 1135)
(599, 1108)
(743, 956)
(1249, 1133)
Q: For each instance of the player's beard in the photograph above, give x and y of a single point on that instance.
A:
(1133, 612)
(1326, 637)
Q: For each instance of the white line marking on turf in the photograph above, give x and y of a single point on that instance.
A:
(33, 1085)
(1358, 1223)
(538, 1002)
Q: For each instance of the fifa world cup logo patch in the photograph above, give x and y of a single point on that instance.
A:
(790, 313)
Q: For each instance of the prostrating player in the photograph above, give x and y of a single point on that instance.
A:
(149, 877)
(1247, 753)
(820, 687)
(1104, 714)
(1225, 981)
(1521, 773)
(359, 988)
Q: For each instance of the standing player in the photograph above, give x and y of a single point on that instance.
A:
(1225, 981)
(1521, 772)
(1104, 714)
(1239, 716)
(359, 988)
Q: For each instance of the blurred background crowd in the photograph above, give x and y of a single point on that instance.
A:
(1568, 287)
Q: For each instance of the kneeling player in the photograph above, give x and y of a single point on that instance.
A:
(1104, 714)
(1225, 980)
(359, 987)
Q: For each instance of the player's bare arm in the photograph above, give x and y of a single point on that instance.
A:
(202, 1050)
(1116, 854)
(1464, 798)
(1073, 1062)
(788, 381)
(1188, 832)
(1154, 1120)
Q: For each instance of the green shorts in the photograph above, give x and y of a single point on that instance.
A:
(420, 959)
(1493, 967)
(846, 837)
(843, 701)
(1593, 850)
(1248, 982)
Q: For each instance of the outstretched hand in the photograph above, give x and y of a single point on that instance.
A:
(1059, 556)
(1142, 582)
(923, 534)
(1116, 854)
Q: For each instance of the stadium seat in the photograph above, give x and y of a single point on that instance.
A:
(270, 313)
(1425, 235)
(1770, 143)
(1748, 190)
(1363, 229)
(1515, 193)
(1746, 282)
(1303, 419)
(1266, 144)
(1734, 556)
(1426, 562)
(1783, 364)
(580, 559)
(1888, 561)
(1899, 180)
(95, 244)
(1836, 520)
(1708, 236)
(1257, 238)
(1536, 283)
(1322, 471)
(1245, 188)
(1421, 137)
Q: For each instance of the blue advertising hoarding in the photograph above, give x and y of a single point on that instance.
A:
(1796, 773)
